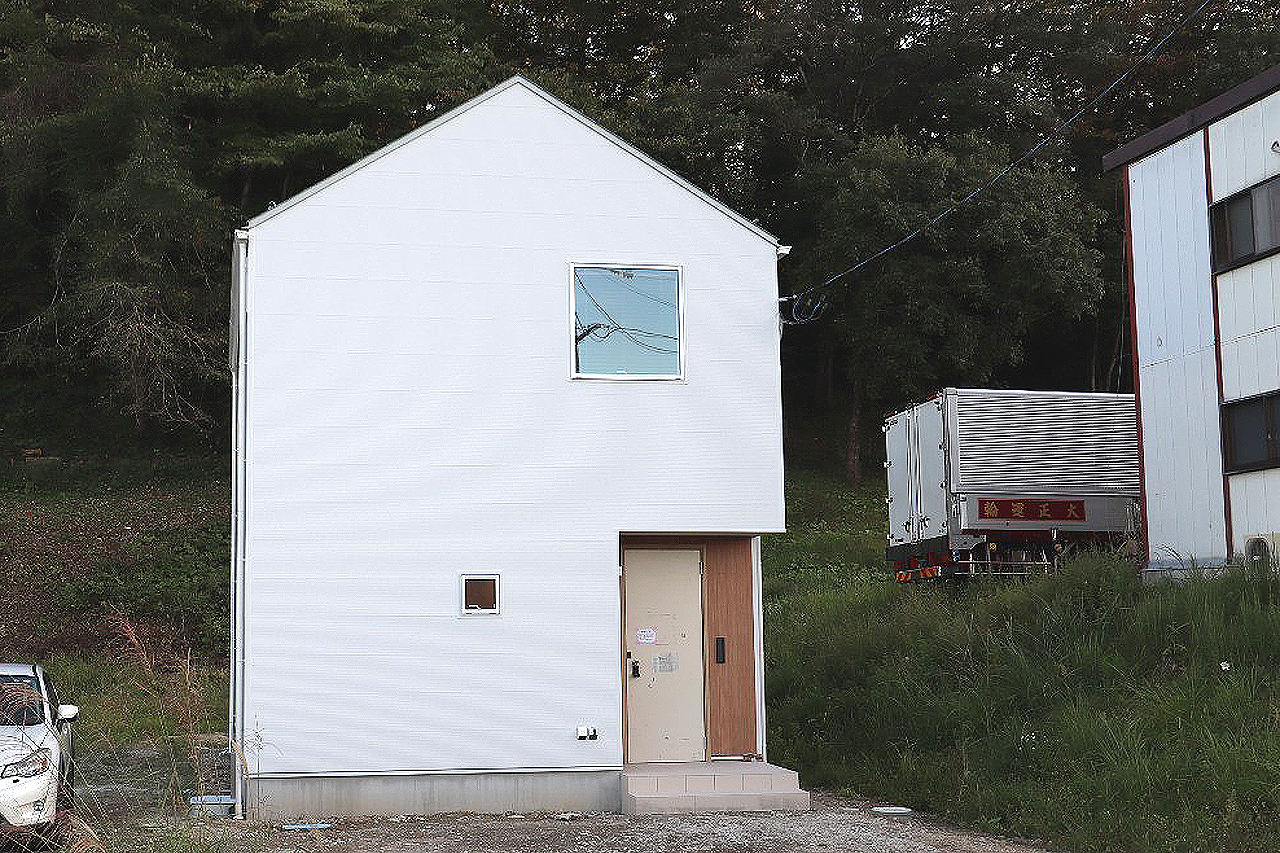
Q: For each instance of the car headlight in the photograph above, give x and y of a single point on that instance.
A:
(33, 765)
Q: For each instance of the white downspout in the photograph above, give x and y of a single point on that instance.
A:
(239, 464)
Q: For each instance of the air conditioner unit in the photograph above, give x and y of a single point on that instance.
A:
(1261, 551)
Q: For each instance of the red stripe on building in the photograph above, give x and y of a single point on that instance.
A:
(1133, 347)
(1217, 352)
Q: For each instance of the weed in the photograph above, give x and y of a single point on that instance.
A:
(151, 734)
(1083, 707)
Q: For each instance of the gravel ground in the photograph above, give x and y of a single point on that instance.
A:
(834, 825)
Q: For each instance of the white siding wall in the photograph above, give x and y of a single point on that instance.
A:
(1249, 317)
(1248, 303)
(1255, 505)
(1240, 147)
(1176, 360)
(411, 418)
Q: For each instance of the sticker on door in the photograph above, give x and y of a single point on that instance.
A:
(647, 636)
(668, 662)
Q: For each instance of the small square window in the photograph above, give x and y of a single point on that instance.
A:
(479, 594)
(627, 322)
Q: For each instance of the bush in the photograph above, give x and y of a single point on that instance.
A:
(1082, 707)
(178, 579)
(146, 538)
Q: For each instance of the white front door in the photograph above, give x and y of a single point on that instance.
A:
(663, 649)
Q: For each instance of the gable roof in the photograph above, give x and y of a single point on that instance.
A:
(560, 105)
(1236, 98)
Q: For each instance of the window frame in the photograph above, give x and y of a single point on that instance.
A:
(497, 594)
(42, 705)
(575, 374)
(1269, 400)
(1254, 256)
(51, 699)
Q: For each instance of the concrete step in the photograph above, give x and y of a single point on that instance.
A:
(678, 803)
(702, 786)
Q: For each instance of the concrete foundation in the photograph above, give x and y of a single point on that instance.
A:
(432, 793)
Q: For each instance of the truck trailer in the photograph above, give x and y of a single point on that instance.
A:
(985, 482)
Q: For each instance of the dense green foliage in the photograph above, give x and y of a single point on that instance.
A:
(135, 134)
(84, 543)
(1084, 707)
(177, 577)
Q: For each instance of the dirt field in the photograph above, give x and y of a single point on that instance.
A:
(835, 825)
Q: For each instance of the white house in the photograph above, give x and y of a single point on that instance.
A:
(507, 432)
(1202, 236)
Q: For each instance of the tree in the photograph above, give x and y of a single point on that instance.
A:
(137, 135)
(111, 236)
(953, 306)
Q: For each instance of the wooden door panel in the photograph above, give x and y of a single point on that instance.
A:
(730, 637)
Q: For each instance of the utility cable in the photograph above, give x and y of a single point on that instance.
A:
(808, 305)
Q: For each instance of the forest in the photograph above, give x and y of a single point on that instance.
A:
(135, 135)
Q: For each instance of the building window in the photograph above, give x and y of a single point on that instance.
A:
(1246, 226)
(1252, 433)
(479, 594)
(627, 322)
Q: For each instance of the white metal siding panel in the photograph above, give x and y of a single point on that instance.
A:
(1184, 485)
(1240, 147)
(1251, 364)
(1249, 308)
(1249, 311)
(1255, 497)
(1177, 366)
(1044, 443)
(527, 88)
(239, 346)
(413, 419)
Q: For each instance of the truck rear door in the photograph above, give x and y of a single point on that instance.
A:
(899, 444)
(930, 469)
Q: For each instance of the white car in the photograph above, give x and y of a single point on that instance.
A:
(37, 749)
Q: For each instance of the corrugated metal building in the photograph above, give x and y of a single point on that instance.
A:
(508, 427)
(1202, 230)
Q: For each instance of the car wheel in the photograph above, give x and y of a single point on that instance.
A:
(46, 836)
(66, 792)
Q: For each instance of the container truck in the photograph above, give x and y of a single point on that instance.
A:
(985, 482)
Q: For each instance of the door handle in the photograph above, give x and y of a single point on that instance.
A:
(635, 668)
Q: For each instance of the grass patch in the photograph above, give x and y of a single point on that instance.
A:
(1084, 708)
(151, 734)
(81, 540)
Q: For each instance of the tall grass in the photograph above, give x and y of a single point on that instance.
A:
(151, 734)
(1083, 707)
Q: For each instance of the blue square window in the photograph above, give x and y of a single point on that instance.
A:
(626, 322)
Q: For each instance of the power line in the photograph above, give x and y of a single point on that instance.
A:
(809, 304)
(626, 332)
(638, 292)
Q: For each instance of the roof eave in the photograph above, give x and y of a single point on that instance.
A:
(1237, 98)
(516, 80)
